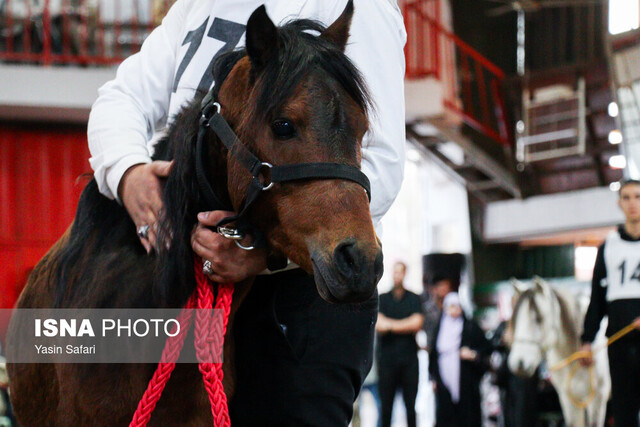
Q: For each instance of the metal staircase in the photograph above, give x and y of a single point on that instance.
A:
(471, 97)
(484, 177)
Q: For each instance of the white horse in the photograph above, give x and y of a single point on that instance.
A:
(546, 326)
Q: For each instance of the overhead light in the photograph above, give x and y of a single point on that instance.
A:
(618, 161)
(615, 137)
(613, 109)
(623, 16)
(615, 186)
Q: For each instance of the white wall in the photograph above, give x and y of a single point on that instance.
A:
(50, 93)
(513, 220)
(430, 214)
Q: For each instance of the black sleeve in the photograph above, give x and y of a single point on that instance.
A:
(433, 355)
(480, 344)
(598, 304)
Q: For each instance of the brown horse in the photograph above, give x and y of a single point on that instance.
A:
(291, 97)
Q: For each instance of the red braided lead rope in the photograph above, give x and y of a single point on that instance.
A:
(209, 344)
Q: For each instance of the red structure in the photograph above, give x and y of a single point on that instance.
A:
(472, 84)
(41, 170)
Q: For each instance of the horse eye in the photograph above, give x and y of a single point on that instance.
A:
(283, 129)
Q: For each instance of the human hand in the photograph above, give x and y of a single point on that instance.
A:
(383, 324)
(467, 354)
(228, 262)
(141, 193)
(587, 360)
(636, 323)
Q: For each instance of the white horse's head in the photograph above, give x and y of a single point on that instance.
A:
(533, 327)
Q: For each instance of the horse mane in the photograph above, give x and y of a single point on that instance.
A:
(524, 296)
(101, 236)
(568, 321)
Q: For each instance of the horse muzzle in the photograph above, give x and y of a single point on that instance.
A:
(522, 368)
(350, 274)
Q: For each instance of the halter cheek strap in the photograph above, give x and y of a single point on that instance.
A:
(264, 175)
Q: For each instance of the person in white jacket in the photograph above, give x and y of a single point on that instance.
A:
(150, 88)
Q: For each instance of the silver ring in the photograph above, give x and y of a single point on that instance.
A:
(206, 267)
(143, 231)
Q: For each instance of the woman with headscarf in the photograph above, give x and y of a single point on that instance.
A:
(457, 363)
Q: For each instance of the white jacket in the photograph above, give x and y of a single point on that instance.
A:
(152, 85)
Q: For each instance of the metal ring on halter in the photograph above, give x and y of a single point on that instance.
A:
(230, 233)
(233, 234)
(246, 248)
(268, 166)
(206, 267)
(206, 116)
(143, 231)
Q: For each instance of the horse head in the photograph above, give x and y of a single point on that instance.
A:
(293, 97)
(533, 327)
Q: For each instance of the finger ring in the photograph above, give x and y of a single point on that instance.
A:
(143, 231)
(206, 267)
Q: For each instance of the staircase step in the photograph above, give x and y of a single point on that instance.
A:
(479, 173)
(476, 156)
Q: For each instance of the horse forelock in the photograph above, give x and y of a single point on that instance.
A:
(300, 53)
(567, 322)
(526, 296)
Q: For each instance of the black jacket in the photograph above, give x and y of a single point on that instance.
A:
(621, 312)
(468, 413)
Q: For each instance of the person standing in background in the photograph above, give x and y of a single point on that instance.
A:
(457, 363)
(442, 273)
(439, 287)
(399, 319)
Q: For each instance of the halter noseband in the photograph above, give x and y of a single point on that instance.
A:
(264, 174)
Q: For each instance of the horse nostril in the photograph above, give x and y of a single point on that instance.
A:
(345, 257)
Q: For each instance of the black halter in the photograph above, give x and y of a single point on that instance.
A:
(264, 174)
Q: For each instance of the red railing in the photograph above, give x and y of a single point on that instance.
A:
(471, 83)
(76, 31)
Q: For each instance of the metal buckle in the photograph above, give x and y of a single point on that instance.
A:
(268, 166)
(233, 234)
(206, 114)
(230, 233)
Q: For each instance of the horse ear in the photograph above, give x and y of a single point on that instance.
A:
(338, 32)
(262, 38)
(541, 285)
(518, 286)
